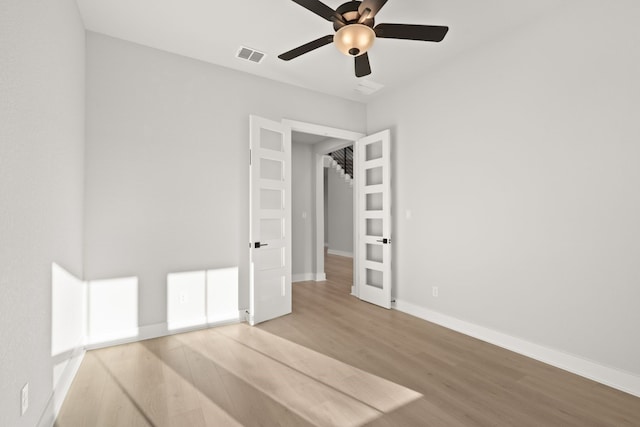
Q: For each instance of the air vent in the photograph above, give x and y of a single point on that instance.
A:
(250, 54)
(368, 87)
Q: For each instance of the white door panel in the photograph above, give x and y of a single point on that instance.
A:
(270, 220)
(374, 218)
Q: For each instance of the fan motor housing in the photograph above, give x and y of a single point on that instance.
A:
(349, 12)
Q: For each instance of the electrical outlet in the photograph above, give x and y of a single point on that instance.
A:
(24, 398)
(434, 291)
(183, 298)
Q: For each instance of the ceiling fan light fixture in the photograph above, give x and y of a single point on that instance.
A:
(354, 39)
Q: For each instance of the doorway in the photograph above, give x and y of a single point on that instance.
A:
(338, 198)
(339, 215)
(331, 140)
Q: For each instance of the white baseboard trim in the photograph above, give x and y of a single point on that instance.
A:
(618, 379)
(51, 411)
(161, 330)
(303, 277)
(340, 253)
(321, 277)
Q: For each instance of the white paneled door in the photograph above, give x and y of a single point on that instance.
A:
(374, 218)
(270, 220)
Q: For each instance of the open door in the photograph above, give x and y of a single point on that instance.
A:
(270, 220)
(374, 218)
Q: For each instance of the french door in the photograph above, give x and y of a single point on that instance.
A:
(373, 218)
(270, 220)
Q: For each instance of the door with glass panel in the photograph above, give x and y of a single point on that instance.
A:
(374, 218)
(270, 220)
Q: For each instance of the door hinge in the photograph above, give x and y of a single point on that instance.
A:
(249, 157)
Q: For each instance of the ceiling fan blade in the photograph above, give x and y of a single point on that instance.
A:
(427, 33)
(363, 68)
(300, 50)
(373, 5)
(320, 9)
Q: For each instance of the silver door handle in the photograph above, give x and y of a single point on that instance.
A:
(384, 241)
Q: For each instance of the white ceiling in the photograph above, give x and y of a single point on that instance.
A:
(213, 31)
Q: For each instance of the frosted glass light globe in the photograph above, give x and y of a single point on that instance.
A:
(354, 39)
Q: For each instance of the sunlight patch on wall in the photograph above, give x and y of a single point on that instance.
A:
(186, 303)
(198, 298)
(112, 309)
(222, 294)
(67, 311)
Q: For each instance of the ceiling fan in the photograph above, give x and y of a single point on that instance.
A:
(353, 23)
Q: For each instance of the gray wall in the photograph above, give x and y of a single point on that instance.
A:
(42, 47)
(302, 167)
(340, 213)
(167, 163)
(519, 164)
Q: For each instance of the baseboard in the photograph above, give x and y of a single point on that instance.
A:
(161, 330)
(51, 411)
(308, 277)
(303, 277)
(340, 253)
(618, 379)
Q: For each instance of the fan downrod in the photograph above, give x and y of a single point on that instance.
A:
(350, 14)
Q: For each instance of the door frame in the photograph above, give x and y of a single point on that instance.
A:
(320, 150)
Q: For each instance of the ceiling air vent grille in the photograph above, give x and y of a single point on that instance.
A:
(368, 87)
(250, 54)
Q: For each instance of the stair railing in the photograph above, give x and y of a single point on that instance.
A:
(344, 158)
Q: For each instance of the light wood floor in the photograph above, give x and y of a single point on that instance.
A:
(334, 361)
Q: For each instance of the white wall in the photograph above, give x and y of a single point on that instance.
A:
(340, 213)
(303, 211)
(42, 95)
(167, 163)
(519, 164)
